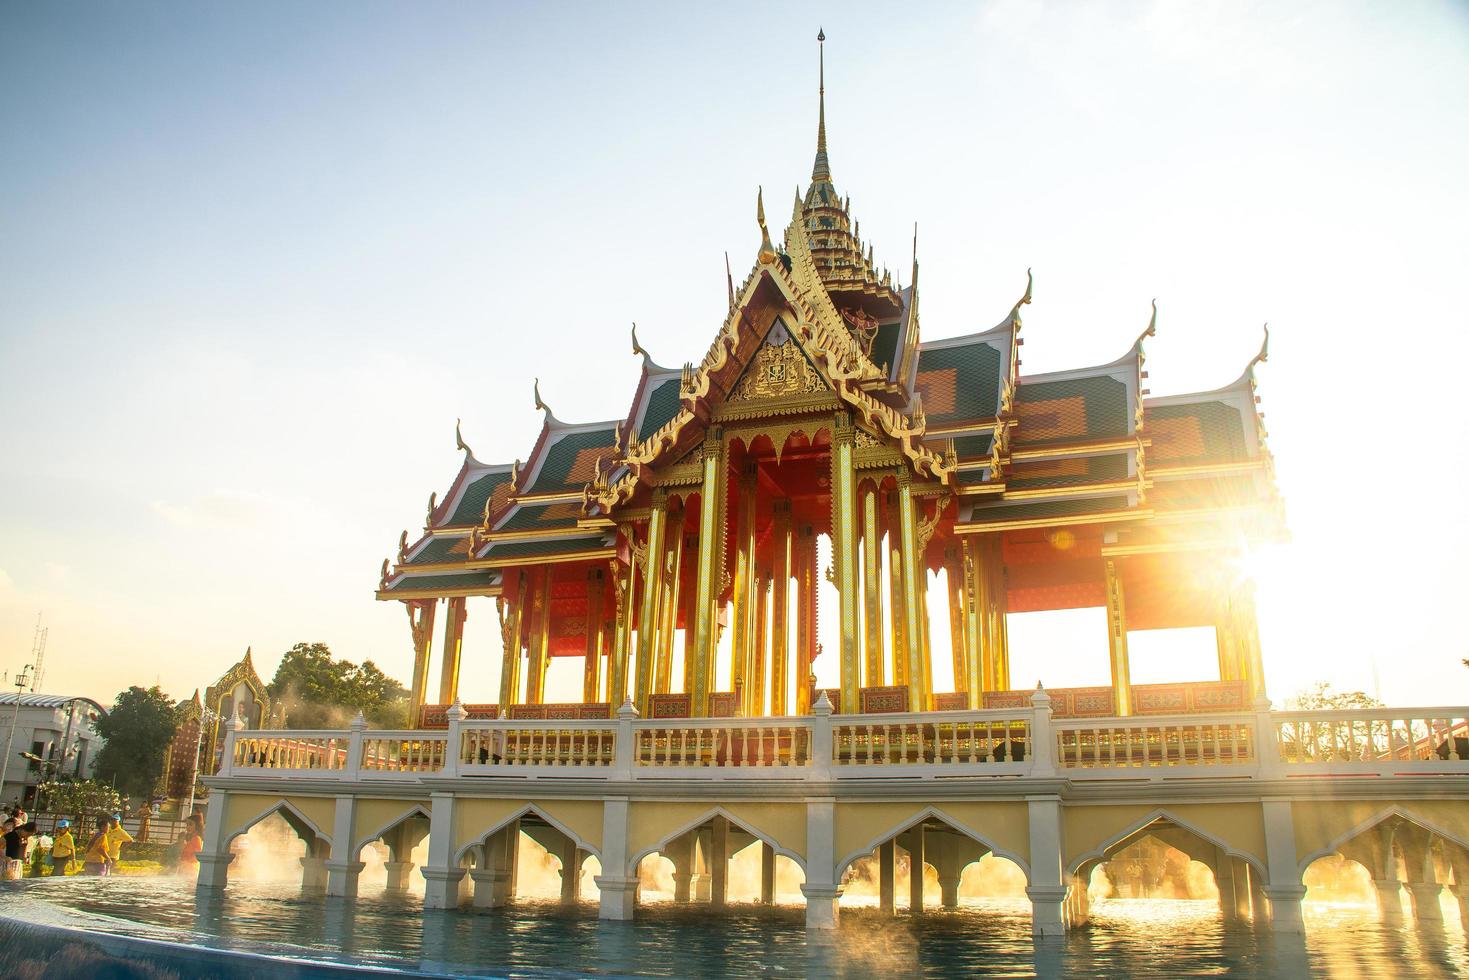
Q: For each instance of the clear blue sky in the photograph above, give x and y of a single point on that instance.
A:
(255, 260)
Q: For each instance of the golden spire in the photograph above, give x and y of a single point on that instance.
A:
(767, 250)
(821, 170)
(729, 281)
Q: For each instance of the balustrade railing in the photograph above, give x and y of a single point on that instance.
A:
(725, 743)
(934, 739)
(410, 752)
(1151, 743)
(536, 743)
(304, 750)
(1373, 738)
(821, 746)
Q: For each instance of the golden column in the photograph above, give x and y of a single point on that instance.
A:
(1117, 640)
(689, 613)
(652, 561)
(626, 580)
(974, 619)
(994, 637)
(421, 623)
(844, 558)
(453, 647)
(804, 555)
(742, 649)
(540, 640)
(1244, 630)
(912, 571)
(512, 625)
(710, 572)
(871, 588)
(755, 672)
(958, 626)
(779, 629)
(672, 580)
(591, 684)
(897, 603)
(925, 676)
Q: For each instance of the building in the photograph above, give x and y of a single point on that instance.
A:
(54, 735)
(678, 550)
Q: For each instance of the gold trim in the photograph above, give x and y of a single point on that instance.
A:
(1074, 490)
(1070, 520)
(537, 499)
(1078, 449)
(385, 595)
(1202, 469)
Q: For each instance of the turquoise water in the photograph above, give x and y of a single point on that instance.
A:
(1135, 938)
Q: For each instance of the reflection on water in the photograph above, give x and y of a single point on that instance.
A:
(1136, 937)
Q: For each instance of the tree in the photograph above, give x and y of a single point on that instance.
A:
(1320, 697)
(138, 730)
(321, 691)
(78, 798)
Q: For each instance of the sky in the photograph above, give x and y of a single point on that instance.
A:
(255, 260)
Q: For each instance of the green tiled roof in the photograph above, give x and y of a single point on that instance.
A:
(1205, 492)
(970, 477)
(471, 507)
(463, 580)
(437, 550)
(972, 447)
(1048, 508)
(1099, 469)
(976, 391)
(1104, 398)
(1220, 428)
(662, 407)
(530, 516)
(561, 457)
(530, 549)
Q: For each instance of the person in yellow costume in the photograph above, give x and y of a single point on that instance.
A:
(116, 837)
(94, 862)
(63, 848)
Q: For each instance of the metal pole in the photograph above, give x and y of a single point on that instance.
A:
(20, 685)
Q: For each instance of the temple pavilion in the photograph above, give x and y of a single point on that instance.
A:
(678, 543)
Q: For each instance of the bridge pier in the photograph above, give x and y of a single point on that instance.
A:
(913, 842)
(1046, 891)
(619, 889)
(823, 893)
(767, 874)
(887, 875)
(1389, 893)
(444, 880)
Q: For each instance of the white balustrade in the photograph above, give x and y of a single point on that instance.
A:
(286, 750)
(1206, 741)
(723, 743)
(945, 738)
(536, 743)
(417, 752)
(1419, 739)
(1263, 745)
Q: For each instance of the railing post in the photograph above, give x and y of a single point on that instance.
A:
(353, 768)
(624, 746)
(1042, 739)
(1267, 742)
(231, 727)
(821, 755)
(456, 715)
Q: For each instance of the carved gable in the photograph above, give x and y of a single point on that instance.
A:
(778, 369)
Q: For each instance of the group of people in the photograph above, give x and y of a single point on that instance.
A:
(103, 849)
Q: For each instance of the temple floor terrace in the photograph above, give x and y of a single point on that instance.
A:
(1255, 796)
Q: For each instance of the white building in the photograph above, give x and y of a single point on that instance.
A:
(54, 728)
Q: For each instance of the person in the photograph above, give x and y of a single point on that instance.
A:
(63, 849)
(116, 837)
(16, 838)
(9, 830)
(94, 862)
(189, 850)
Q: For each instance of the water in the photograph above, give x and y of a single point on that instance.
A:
(1133, 938)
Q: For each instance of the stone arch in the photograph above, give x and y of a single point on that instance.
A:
(504, 822)
(1138, 829)
(1387, 813)
(845, 862)
(298, 821)
(415, 811)
(660, 845)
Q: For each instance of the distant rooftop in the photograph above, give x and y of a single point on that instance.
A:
(46, 701)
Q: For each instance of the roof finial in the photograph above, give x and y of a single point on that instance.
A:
(821, 170)
(637, 348)
(1029, 284)
(459, 442)
(915, 255)
(1153, 320)
(767, 250)
(1264, 354)
(541, 402)
(729, 280)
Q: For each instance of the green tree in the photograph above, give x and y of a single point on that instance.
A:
(78, 798)
(1321, 697)
(138, 729)
(322, 691)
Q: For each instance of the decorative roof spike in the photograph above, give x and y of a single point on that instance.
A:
(403, 546)
(382, 583)
(459, 442)
(767, 250)
(915, 255)
(729, 281)
(541, 402)
(515, 477)
(1024, 300)
(433, 503)
(1264, 354)
(821, 169)
(637, 348)
(1152, 330)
